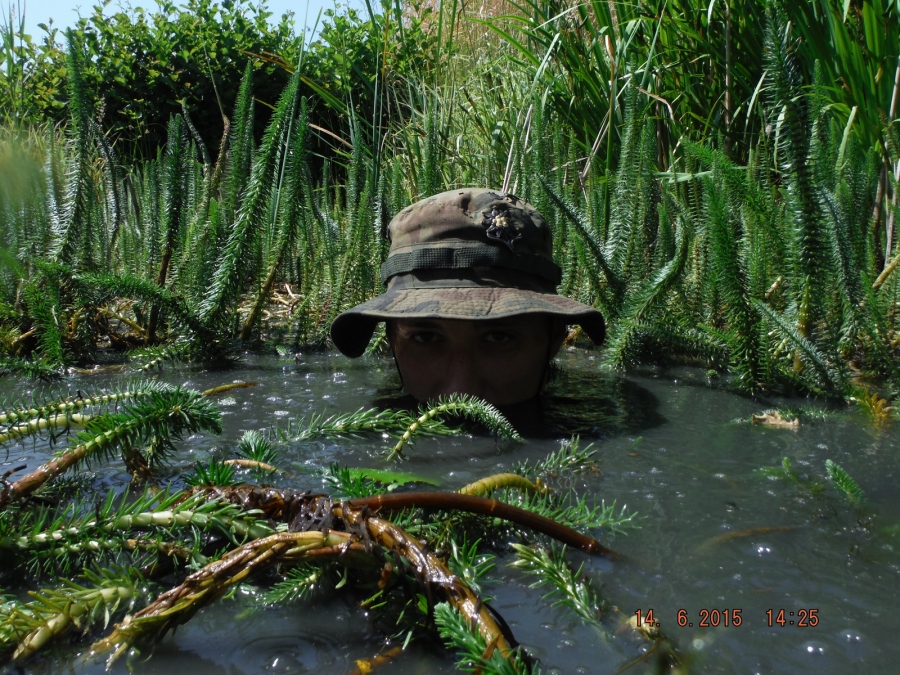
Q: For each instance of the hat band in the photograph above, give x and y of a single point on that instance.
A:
(474, 277)
(468, 256)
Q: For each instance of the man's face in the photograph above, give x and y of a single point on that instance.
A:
(502, 361)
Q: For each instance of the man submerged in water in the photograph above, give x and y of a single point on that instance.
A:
(471, 304)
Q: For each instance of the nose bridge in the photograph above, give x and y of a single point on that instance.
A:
(462, 375)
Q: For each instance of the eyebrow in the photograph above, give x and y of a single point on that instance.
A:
(421, 323)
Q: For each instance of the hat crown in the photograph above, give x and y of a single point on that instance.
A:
(470, 228)
(466, 216)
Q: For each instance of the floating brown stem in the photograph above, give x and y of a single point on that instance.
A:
(179, 604)
(740, 534)
(228, 387)
(55, 467)
(450, 501)
(366, 666)
(284, 505)
(251, 464)
(501, 481)
(437, 577)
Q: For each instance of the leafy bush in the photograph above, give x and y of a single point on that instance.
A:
(144, 66)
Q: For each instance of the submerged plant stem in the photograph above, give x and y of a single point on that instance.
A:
(487, 507)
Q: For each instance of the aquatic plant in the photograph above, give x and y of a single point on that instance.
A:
(52, 612)
(216, 533)
(565, 585)
(874, 407)
(153, 422)
(844, 483)
(463, 405)
(717, 255)
(476, 654)
(360, 421)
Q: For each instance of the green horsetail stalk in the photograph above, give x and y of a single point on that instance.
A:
(52, 612)
(501, 481)
(43, 424)
(465, 405)
(18, 413)
(163, 415)
(161, 511)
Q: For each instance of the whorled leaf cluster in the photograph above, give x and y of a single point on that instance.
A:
(280, 544)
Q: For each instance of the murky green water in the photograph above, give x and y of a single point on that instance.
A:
(716, 533)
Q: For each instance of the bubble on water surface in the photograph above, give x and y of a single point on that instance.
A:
(850, 636)
(814, 648)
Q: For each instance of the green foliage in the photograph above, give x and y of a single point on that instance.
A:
(463, 405)
(786, 471)
(65, 539)
(169, 532)
(754, 254)
(471, 645)
(349, 484)
(53, 611)
(469, 563)
(363, 420)
(144, 63)
(19, 411)
(570, 458)
(844, 483)
(568, 587)
(300, 584)
(215, 474)
(574, 512)
(256, 447)
(163, 416)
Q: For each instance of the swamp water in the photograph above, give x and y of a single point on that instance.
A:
(715, 532)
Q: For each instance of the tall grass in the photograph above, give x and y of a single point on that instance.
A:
(760, 248)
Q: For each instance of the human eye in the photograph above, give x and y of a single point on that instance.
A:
(425, 337)
(499, 337)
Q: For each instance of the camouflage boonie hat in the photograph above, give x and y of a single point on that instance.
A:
(467, 254)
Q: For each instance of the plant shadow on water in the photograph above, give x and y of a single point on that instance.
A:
(575, 402)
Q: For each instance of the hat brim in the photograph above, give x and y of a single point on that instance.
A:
(352, 330)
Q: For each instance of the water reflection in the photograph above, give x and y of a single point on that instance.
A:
(577, 401)
(691, 480)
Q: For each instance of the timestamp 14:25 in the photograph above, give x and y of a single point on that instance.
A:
(805, 617)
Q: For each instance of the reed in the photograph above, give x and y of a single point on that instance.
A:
(755, 237)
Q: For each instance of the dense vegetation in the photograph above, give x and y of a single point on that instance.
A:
(721, 177)
(722, 180)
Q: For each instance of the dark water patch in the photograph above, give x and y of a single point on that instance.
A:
(715, 532)
(581, 399)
